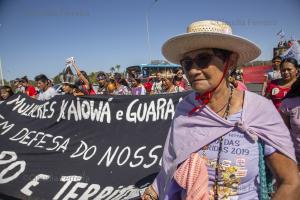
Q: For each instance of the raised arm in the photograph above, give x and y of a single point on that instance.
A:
(80, 75)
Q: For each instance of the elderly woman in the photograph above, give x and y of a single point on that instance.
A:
(221, 137)
(169, 87)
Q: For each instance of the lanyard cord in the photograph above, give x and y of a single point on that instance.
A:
(216, 195)
(205, 98)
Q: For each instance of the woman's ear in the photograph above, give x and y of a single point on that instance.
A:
(233, 58)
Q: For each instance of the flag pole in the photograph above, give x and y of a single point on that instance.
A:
(1, 73)
(147, 29)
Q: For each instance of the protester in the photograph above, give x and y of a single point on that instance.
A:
(290, 111)
(69, 87)
(169, 87)
(179, 79)
(111, 87)
(148, 85)
(236, 80)
(201, 159)
(102, 83)
(18, 86)
(278, 88)
(137, 88)
(86, 86)
(68, 75)
(274, 74)
(46, 92)
(121, 85)
(29, 89)
(157, 84)
(5, 92)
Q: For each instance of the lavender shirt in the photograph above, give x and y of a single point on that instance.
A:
(188, 134)
(140, 90)
(239, 172)
(291, 108)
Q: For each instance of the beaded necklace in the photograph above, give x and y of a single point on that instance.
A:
(226, 113)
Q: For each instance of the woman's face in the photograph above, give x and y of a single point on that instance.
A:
(4, 94)
(288, 71)
(276, 64)
(101, 82)
(206, 77)
(42, 85)
(179, 74)
(164, 84)
(134, 83)
(67, 89)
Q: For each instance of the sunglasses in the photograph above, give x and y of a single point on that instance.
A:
(100, 78)
(201, 60)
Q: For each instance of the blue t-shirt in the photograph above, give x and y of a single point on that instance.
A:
(238, 171)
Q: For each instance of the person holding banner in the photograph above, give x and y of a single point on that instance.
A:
(277, 89)
(85, 84)
(221, 138)
(5, 92)
(102, 80)
(46, 91)
(69, 87)
(29, 89)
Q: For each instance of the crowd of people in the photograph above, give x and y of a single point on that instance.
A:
(79, 84)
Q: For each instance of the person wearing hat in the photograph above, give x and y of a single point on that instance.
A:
(221, 138)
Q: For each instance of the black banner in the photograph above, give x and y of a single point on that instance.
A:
(92, 147)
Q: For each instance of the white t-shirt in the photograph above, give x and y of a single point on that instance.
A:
(48, 94)
(273, 75)
(157, 87)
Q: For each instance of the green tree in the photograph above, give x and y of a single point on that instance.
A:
(117, 67)
(92, 77)
(56, 79)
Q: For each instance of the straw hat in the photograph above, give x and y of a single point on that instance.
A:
(209, 34)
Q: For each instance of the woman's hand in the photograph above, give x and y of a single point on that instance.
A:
(149, 194)
(287, 177)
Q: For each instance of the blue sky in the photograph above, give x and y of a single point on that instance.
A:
(36, 36)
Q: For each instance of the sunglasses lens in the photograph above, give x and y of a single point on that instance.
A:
(187, 64)
(203, 60)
